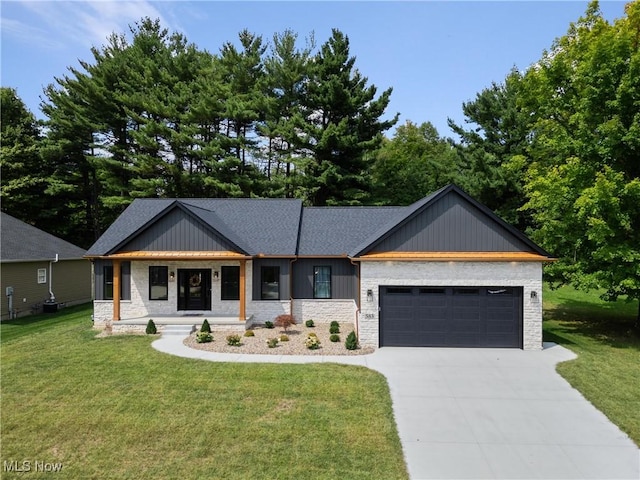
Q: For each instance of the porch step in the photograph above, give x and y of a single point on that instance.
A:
(183, 330)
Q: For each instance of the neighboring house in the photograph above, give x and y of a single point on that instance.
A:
(39, 271)
(445, 271)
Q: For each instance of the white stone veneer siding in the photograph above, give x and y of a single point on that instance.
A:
(324, 311)
(452, 274)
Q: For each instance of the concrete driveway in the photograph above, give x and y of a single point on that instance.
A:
(482, 413)
(498, 413)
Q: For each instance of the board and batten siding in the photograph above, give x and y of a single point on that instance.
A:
(283, 263)
(451, 224)
(177, 231)
(344, 280)
(125, 279)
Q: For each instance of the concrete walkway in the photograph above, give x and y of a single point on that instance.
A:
(482, 413)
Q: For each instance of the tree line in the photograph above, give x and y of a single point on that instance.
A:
(554, 149)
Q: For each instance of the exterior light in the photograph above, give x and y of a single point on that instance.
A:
(216, 275)
(172, 276)
(369, 295)
(534, 294)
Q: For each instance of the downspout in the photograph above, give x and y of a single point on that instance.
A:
(357, 265)
(52, 297)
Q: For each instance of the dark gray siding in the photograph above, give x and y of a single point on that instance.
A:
(177, 231)
(451, 225)
(344, 280)
(284, 276)
(125, 275)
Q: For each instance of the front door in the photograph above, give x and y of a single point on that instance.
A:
(194, 289)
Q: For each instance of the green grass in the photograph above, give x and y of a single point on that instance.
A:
(607, 370)
(116, 408)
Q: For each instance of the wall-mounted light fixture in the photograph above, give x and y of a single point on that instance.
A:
(534, 294)
(369, 295)
(216, 275)
(172, 276)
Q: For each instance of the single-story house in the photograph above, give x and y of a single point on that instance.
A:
(39, 270)
(444, 271)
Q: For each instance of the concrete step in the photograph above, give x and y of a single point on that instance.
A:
(178, 329)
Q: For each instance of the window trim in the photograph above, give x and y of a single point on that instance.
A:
(165, 270)
(41, 275)
(263, 283)
(224, 282)
(316, 271)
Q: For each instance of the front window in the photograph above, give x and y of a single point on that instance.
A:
(230, 283)
(158, 283)
(270, 283)
(321, 282)
(107, 278)
(42, 275)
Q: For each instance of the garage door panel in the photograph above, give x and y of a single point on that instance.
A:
(451, 316)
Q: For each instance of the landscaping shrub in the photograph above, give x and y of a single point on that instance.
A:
(272, 342)
(268, 324)
(313, 334)
(233, 340)
(284, 338)
(205, 327)
(151, 328)
(334, 338)
(312, 342)
(285, 321)
(204, 337)
(309, 323)
(334, 323)
(334, 328)
(351, 343)
(249, 333)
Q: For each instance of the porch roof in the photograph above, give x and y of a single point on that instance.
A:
(177, 255)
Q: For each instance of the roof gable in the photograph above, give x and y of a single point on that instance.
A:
(24, 242)
(183, 228)
(450, 221)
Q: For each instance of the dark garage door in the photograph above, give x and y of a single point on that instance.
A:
(451, 317)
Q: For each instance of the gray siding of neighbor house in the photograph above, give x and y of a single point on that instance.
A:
(71, 284)
(177, 231)
(451, 225)
(125, 279)
(344, 280)
(284, 276)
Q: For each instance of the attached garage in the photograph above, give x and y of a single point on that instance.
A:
(428, 316)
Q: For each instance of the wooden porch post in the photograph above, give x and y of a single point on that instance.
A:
(243, 292)
(116, 290)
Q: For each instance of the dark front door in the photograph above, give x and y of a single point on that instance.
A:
(194, 289)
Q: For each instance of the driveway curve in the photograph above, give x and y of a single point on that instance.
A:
(482, 413)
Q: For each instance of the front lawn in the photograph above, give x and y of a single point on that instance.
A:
(116, 408)
(607, 370)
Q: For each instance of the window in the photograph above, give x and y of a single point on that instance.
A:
(321, 282)
(230, 283)
(42, 275)
(107, 279)
(158, 283)
(270, 283)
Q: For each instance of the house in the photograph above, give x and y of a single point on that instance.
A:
(39, 271)
(444, 271)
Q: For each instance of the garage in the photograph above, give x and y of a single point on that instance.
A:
(414, 316)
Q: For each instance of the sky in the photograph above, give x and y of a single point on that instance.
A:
(434, 54)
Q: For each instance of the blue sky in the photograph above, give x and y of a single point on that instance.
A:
(435, 55)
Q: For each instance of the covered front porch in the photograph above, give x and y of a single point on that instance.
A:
(182, 287)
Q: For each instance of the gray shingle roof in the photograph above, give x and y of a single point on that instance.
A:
(282, 227)
(338, 230)
(23, 242)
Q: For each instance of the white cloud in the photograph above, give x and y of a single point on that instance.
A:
(80, 22)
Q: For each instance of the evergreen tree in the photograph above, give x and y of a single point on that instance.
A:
(342, 127)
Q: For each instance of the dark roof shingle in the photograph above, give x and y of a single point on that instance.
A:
(24, 242)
